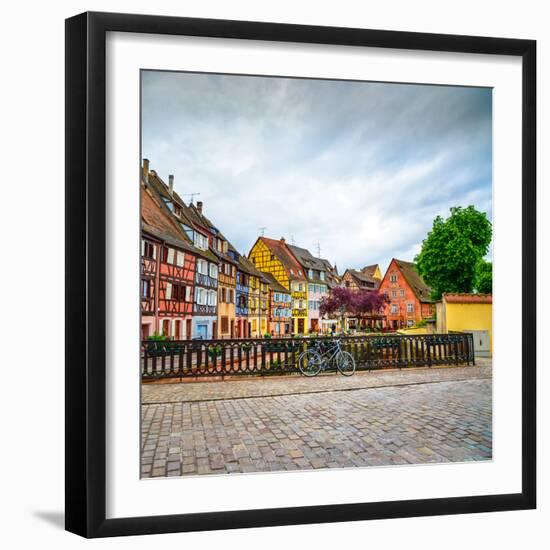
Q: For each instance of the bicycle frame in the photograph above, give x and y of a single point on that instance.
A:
(332, 352)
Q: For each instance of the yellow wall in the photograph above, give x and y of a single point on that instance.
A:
(461, 317)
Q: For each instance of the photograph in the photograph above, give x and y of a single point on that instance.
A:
(316, 274)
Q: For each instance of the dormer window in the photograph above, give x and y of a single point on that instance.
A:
(200, 241)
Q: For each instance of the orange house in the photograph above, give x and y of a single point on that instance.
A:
(410, 297)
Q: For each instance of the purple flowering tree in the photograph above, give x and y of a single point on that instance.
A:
(360, 303)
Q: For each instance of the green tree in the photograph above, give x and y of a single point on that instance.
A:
(484, 277)
(453, 249)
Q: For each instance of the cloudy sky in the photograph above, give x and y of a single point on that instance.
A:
(361, 168)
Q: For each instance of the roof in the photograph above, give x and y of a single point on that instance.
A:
(189, 215)
(158, 223)
(158, 219)
(421, 290)
(274, 284)
(248, 267)
(370, 270)
(282, 252)
(467, 298)
(306, 259)
(363, 277)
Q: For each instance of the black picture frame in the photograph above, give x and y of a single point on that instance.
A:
(86, 279)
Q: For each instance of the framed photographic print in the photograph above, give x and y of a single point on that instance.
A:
(290, 252)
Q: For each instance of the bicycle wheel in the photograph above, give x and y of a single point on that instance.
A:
(309, 363)
(345, 363)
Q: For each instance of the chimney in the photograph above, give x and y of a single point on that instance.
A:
(171, 184)
(283, 240)
(199, 206)
(145, 170)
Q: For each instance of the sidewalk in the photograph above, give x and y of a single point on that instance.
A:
(236, 388)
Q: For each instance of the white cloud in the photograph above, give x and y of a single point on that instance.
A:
(361, 168)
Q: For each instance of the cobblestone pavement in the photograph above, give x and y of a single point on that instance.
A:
(260, 387)
(420, 421)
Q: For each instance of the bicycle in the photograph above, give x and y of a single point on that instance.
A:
(315, 359)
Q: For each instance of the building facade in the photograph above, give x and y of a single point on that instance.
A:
(462, 312)
(317, 276)
(188, 272)
(279, 308)
(242, 329)
(167, 271)
(274, 256)
(409, 296)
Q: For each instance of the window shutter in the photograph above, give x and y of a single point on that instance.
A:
(187, 293)
(168, 291)
(154, 252)
(170, 259)
(142, 247)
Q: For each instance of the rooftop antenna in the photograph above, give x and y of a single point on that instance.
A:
(262, 229)
(318, 247)
(192, 195)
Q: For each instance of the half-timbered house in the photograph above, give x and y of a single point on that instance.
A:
(274, 256)
(204, 294)
(167, 278)
(280, 312)
(315, 271)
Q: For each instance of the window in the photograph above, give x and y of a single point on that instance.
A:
(310, 273)
(178, 293)
(168, 294)
(394, 293)
(347, 284)
(200, 241)
(393, 278)
(201, 266)
(410, 308)
(168, 255)
(145, 288)
(402, 292)
(394, 308)
(180, 258)
(187, 293)
(148, 250)
(213, 271)
(322, 275)
(200, 295)
(231, 296)
(225, 324)
(410, 323)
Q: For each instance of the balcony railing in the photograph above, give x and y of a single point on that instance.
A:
(205, 280)
(202, 309)
(191, 358)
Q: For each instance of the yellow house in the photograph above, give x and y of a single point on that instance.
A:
(468, 313)
(273, 256)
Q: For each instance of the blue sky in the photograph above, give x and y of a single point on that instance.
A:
(360, 167)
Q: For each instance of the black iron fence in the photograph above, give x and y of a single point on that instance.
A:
(191, 358)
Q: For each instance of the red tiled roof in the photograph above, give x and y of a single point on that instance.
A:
(153, 217)
(286, 257)
(465, 298)
(421, 290)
